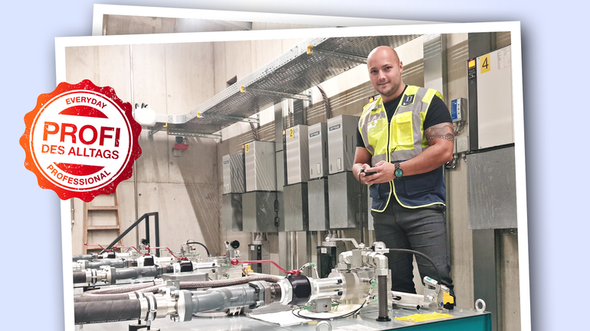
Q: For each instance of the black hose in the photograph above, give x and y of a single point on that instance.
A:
(151, 287)
(411, 251)
(89, 257)
(104, 297)
(145, 287)
(198, 243)
(137, 272)
(106, 311)
(79, 277)
(226, 282)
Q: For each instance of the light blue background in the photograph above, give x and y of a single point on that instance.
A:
(555, 51)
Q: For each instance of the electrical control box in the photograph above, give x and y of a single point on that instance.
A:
(341, 142)
(259, 161)
(233, 173)
(231, 212)
(491, 189)
(259, 251)
(318, 150)
(491, 121)
(461, 144)
(296, 207)
(458, 107)
(297, 149)
(262, 211)
(319, 215)
(344, 205)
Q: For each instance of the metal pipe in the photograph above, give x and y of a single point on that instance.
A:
(147, 232)
(143, 217)
(382, 292)
(135, 196)
(157, 225)
(361, 216)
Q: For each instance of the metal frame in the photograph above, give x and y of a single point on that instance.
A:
(146, 217)
(302, 67)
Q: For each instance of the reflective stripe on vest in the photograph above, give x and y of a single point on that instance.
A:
(406, 133)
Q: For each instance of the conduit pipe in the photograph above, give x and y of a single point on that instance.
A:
(111, 275)
(125, 289)
(182, 304)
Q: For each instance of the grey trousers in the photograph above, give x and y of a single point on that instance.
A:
(421, 229)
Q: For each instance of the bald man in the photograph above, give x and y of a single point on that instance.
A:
(404, 139)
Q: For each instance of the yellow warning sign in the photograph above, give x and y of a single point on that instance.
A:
(290, 133)
(484, 63)
(247, 148)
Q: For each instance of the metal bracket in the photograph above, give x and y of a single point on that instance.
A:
(194, 134)
(345, 56)
(235, 118)
(276, 93)
(175, 132)
(155, 129)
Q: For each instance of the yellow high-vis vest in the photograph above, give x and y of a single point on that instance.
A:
(398, 140)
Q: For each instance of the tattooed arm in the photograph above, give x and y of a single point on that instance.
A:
(441, 140)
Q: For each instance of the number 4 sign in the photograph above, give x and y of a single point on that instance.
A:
(485, 63)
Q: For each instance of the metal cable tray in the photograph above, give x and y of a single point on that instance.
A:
(304, 66)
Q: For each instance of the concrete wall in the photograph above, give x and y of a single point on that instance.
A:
(240, 58)
(123, 24)
(173, 79)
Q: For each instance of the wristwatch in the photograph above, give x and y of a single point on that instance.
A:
(398, 171)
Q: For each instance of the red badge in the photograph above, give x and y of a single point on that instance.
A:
(81, 140)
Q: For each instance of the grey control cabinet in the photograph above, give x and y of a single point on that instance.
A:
(296, 207)
(259, 213)
(259, 161)
(341, 142)
(233, 173)
(344, 194)
(318, 150)
(297, 149)
(319, 215)
(231, 212)
(491, 189)
(495, 119)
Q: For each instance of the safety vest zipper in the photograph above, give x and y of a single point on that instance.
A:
(391, 185)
